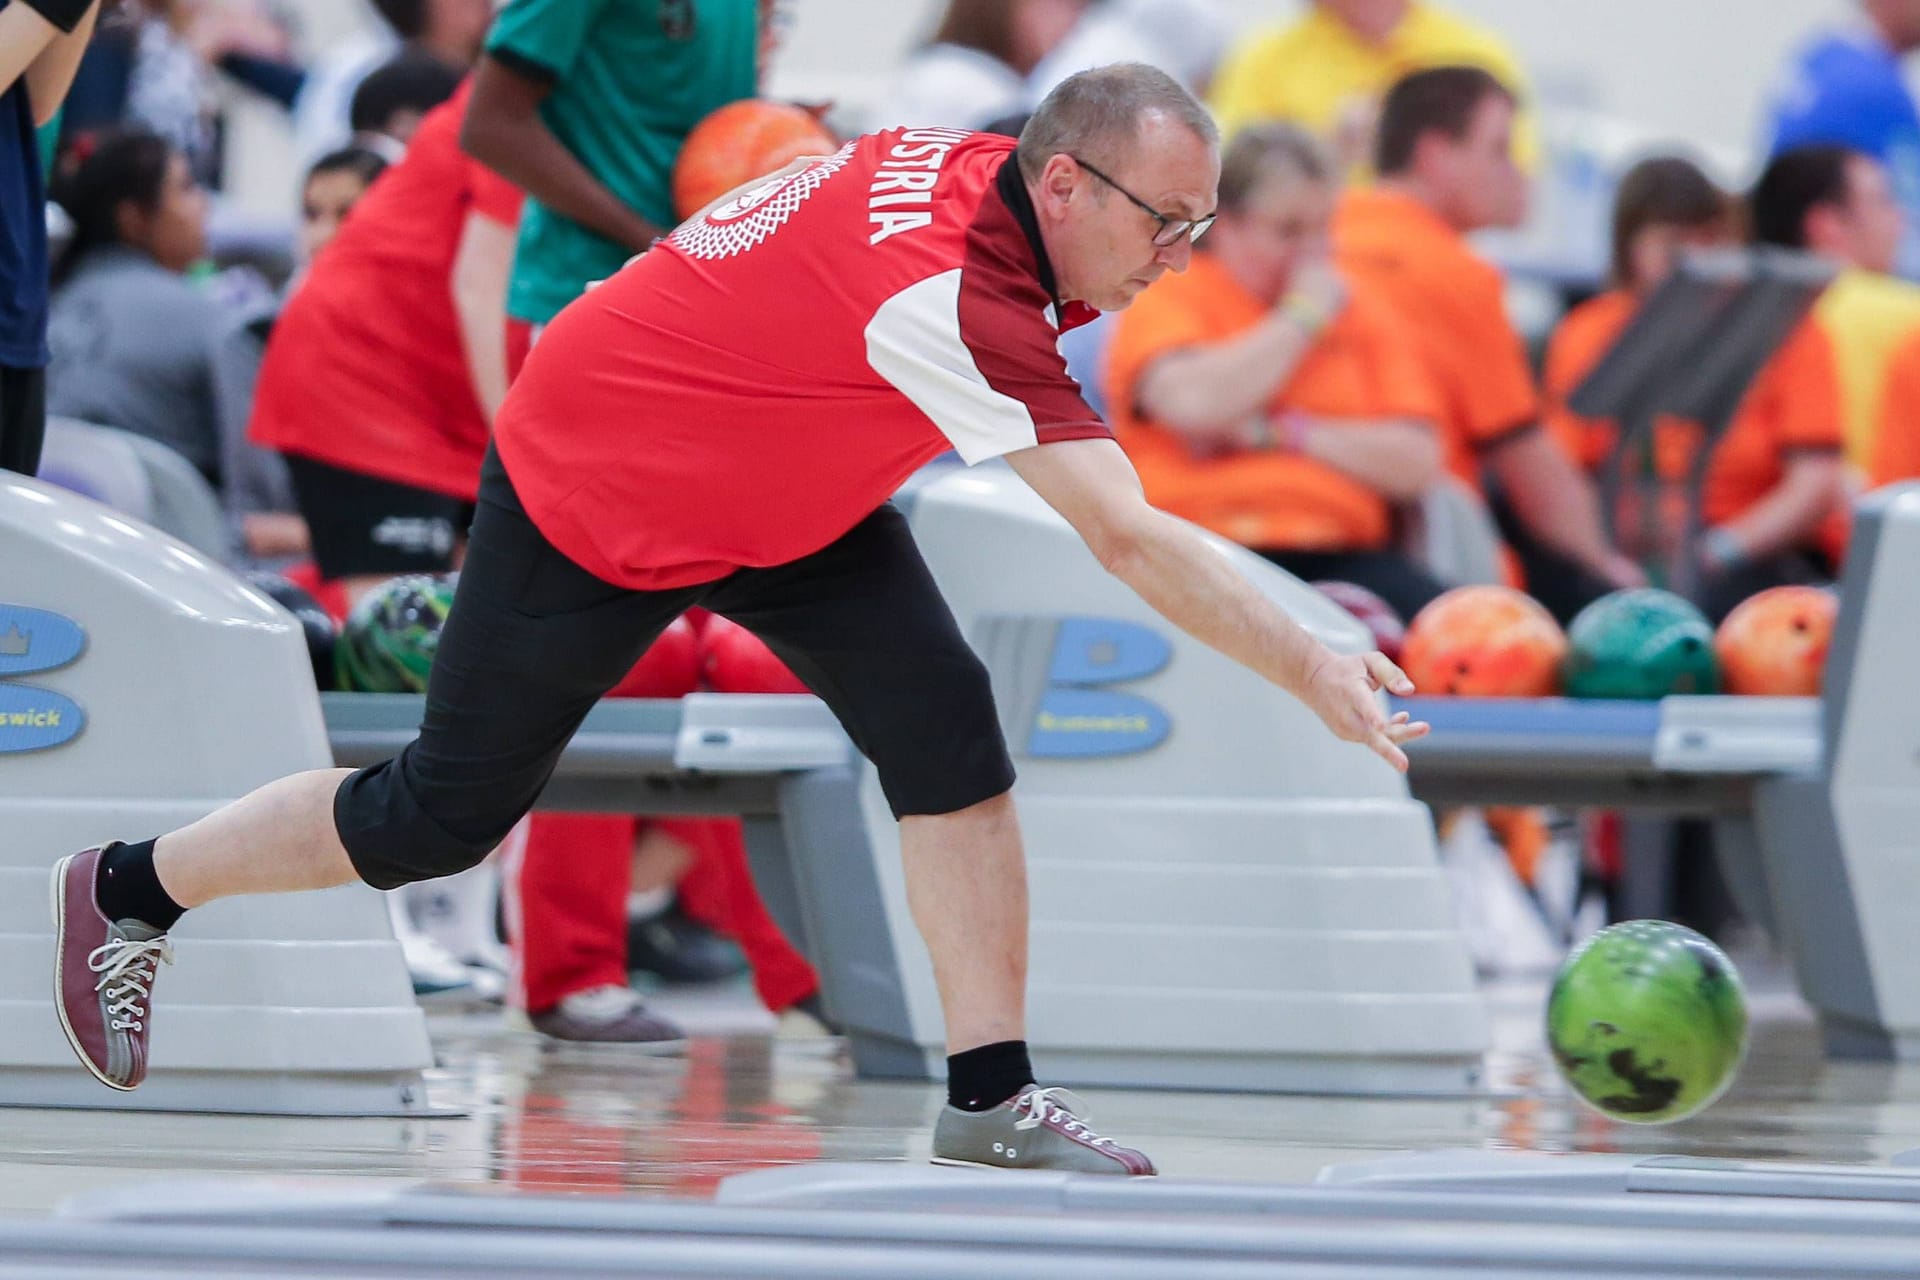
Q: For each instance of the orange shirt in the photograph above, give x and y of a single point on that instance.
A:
(1360, 367)
(1896, 440)
(1454, 302)
(1793, 406)
(1583, 336)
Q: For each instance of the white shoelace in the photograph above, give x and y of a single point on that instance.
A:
(1040, 1104)
(127, 970)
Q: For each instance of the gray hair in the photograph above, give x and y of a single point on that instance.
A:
(1100, 111)
(1259, 151)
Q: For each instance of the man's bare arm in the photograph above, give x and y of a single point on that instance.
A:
(1092, 485)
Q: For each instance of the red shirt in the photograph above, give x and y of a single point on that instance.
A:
(755, 385)
(366, 369)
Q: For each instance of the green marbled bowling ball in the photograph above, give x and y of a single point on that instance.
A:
(1648, 1021)
(390, 637)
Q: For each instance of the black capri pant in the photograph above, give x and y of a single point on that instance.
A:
(533, 641)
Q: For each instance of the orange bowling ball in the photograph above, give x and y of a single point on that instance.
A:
(1775, 643)
(1484, 642)
(738, 143)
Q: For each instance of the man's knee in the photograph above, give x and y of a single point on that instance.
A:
(945, 751)
(397, 832)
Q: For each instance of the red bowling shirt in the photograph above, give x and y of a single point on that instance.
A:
(756, 384)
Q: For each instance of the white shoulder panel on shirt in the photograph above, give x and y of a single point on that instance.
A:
(914, 342)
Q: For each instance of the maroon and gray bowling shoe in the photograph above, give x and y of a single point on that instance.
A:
(103, 973)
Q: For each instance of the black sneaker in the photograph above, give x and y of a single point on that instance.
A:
(677, 949)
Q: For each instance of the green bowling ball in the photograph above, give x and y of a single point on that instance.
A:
(1648, 1022)
(1641, 643)
(390, 637)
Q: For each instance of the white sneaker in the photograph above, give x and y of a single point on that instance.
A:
(439, 977)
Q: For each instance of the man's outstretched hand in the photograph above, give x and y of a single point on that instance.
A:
(1340, 689)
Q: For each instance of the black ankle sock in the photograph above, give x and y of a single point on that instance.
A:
(983, 1078)
(128, 889)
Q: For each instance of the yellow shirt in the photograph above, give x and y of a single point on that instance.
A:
(1309, 72)
(1866, 315)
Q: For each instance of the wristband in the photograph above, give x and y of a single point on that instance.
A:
(1290, 432)
(1307, 314)
(64, 14)
(1720, 549)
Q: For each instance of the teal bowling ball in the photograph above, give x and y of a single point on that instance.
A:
(1642, 643)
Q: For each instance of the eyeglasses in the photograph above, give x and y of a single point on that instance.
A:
(1172, 230)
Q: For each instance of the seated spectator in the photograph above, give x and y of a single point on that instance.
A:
(259, 491)
(1771, 498)
(1446, 169)
(131, 337)
(334, 184)
(1663, 207)
(1260, 398)
(1839, 203)
(975, 67)
(1329, 69)
(390, 102)
(1845, 87)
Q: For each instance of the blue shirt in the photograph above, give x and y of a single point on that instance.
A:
(1846, 89)
(23, 236)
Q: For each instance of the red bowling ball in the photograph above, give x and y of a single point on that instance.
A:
(1389, 630)
(740, 662)
(669, 669)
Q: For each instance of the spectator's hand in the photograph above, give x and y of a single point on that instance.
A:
(1318, 289)
(1340, 690)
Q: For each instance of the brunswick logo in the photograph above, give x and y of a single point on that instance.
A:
(1054, 678)
(35, 719)
(35, 640)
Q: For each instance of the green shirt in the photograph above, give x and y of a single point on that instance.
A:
(50, 143)
(630, 79)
